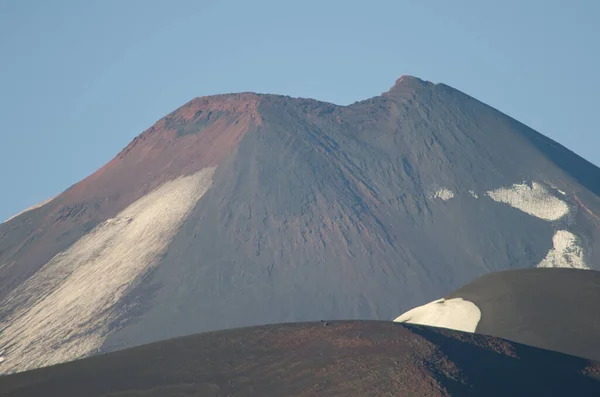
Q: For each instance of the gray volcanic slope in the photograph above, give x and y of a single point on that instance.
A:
(249, 209)
(554, 309)
(367, 358)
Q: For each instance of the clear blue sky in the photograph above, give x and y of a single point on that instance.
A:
(80, 79)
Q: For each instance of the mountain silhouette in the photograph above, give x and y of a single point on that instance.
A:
(249, 209)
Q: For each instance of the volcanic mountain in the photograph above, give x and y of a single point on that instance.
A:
(347, 358)
(554, 309)
(248, 209)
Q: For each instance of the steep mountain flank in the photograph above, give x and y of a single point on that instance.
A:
(295, 210)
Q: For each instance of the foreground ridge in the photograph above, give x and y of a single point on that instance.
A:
(353, 358)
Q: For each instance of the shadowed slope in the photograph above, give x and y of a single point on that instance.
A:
(334, 359)
(554, 309)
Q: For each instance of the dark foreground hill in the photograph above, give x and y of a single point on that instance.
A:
(316, 359)
(556, 309)
(250, 209)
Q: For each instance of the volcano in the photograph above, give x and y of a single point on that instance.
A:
(249, 209)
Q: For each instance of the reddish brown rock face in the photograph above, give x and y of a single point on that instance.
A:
(195, 136)
(314, 211)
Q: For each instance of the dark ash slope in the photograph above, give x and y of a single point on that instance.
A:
(555, 309)
(340, 358)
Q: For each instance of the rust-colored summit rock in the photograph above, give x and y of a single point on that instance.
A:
(248, 209)
(197, 135)
(409, 83)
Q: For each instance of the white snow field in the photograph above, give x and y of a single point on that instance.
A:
(534, 200)
(63, 311)
(566, 252)
(456, 313)
(443, 194)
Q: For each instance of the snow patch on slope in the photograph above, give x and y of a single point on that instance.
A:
(534, 200)
(444, 194)
(566, 252)
(455, 313)
(33, 207)
(63, 311)
(557, 189)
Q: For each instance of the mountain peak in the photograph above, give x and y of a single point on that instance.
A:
(408, 84)
(408, 80)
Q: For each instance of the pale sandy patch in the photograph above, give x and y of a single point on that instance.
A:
(455, 313)
(63, 311)
(566, 252)
(534, 200)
